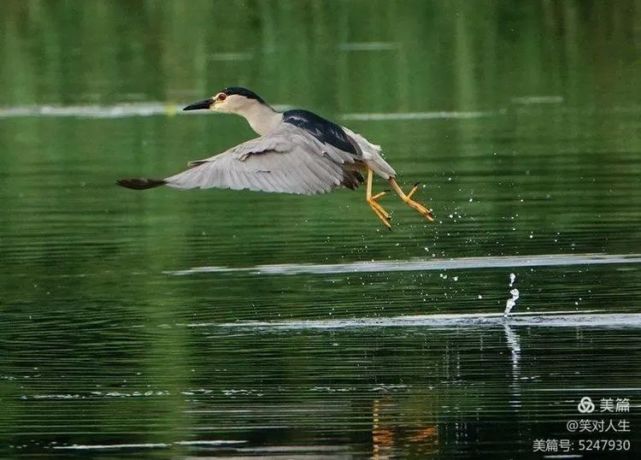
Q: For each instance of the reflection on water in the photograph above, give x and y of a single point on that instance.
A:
(513, 343)
(221, 324)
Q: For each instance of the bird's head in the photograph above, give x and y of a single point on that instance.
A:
(230, 100)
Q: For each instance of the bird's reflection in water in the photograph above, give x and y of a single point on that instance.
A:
(387, 435)
(419, 436)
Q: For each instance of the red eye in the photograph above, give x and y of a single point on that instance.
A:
(221, 96)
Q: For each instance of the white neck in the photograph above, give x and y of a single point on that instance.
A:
(262, 118)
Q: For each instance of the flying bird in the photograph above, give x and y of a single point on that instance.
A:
(297, 152)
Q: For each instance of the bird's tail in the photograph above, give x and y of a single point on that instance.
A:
(372, 155)
(141, 183)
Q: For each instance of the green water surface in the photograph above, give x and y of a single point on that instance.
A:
(175, 325)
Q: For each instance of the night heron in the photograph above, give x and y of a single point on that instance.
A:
(296, 152)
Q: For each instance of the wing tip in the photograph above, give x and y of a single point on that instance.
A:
(140, 183)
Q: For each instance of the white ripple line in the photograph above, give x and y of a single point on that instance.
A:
(382, 266)
(400, 116)
(532, 319)
(139, 109)
(209, 443)
(149, 445)
(112, 446)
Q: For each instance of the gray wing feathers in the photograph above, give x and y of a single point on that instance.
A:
(286, 161)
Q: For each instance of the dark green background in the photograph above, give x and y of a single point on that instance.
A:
(522, 119)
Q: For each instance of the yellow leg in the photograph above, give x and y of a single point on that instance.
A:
(371, 200)
(407, 199)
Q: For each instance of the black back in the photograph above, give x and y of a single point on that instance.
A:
(322, 129)
(249, 94)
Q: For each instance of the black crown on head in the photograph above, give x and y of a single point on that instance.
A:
(243, 92)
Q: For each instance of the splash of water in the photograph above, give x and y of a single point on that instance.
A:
(511, 302)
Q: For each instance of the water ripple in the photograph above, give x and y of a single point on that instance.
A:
(542, 319)
(140, 109)
(400, 116)
(383, 266)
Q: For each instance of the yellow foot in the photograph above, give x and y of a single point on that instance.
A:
(380, 212)
(378, 195)
(422, 210)
(425, 212)
(407, 199)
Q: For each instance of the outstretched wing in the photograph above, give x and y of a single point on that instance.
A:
(287, 160)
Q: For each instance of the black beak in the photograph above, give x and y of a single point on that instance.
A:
(200, 105)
